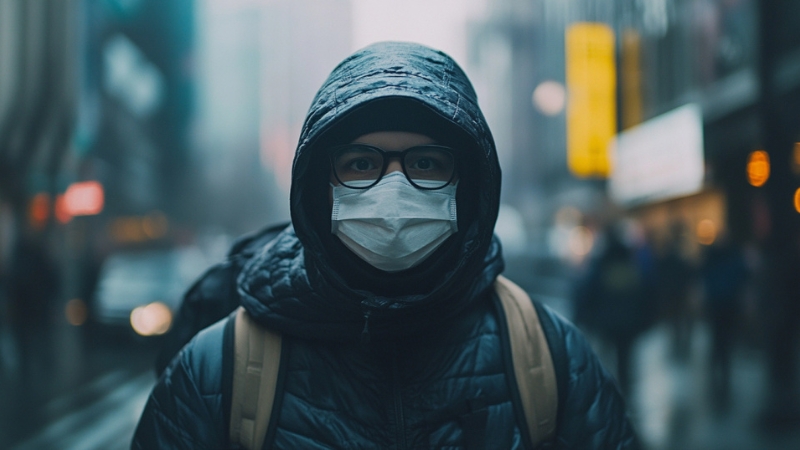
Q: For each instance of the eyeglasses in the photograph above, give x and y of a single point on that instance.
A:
(361, 166)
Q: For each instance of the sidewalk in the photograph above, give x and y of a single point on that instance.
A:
(107, 422)
(671, 404)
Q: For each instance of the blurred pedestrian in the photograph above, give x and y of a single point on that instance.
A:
(779, 287)
(384, 295)
(33, 283)
(675, 278)
(612, 300)
(725, 276)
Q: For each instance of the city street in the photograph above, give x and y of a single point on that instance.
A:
(672, 404)
(72, 389)
(368, 168)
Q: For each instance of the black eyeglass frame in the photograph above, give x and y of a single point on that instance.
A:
(387, 155)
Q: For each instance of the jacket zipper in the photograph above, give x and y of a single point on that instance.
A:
(398, 403)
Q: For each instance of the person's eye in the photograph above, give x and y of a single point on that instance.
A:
(425, 164)
(361, 164)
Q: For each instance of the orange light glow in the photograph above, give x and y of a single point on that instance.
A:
(139, 229)
(155, 225)
(797, 200)
(39, 209)
(127, 229)
(84, 199)
(76, 312)
(706, 232)
(758, 168)
(796, 158)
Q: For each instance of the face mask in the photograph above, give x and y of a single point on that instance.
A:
(393, 225)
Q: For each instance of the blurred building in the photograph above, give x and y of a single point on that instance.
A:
(154, 119)
(666, 54)
(96, 98)
(302, 41)
(718, 76)
(261, 64)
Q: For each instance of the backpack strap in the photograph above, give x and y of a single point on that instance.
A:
(257, 356)
(534, 371)
(558, 352)
(256, 363)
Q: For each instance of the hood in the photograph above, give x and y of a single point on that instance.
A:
(429, 90)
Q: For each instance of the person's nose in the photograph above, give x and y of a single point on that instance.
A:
(394, 166)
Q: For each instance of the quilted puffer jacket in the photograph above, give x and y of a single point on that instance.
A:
(371, 360)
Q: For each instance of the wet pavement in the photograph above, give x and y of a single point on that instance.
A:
(107, 422)
(672, 402)
(71, 388)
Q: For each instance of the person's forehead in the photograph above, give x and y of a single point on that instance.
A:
(394, 140)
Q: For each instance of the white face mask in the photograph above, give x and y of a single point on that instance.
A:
(393, 225)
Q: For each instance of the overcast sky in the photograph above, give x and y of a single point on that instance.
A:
(437, 23)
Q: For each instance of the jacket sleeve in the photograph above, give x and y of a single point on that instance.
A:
(185, 410)
(594, 415)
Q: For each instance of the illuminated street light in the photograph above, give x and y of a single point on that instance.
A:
(797, 200)
(706, 232)
(151, 320)
(758, 168)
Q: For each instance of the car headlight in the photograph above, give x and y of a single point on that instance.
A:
(151, 320)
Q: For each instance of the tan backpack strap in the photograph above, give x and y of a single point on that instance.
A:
(533, 365)
(257, 358)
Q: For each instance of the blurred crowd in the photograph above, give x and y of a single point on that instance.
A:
(638, 279)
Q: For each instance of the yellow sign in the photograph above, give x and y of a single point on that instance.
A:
(631, 80)
(592, 109)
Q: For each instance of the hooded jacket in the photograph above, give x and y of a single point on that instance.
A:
(415, 359)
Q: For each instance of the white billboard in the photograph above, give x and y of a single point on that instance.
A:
(659, 159)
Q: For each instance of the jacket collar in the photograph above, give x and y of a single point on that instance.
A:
(281, 291)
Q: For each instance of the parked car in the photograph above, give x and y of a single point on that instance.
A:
(140, 290)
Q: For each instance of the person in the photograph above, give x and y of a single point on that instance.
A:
(382, 287)
(675, 279)
(612, 300)
(34, 283)
(725, 276)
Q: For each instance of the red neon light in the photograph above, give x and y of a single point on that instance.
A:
(84, 199)
(39, 210)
